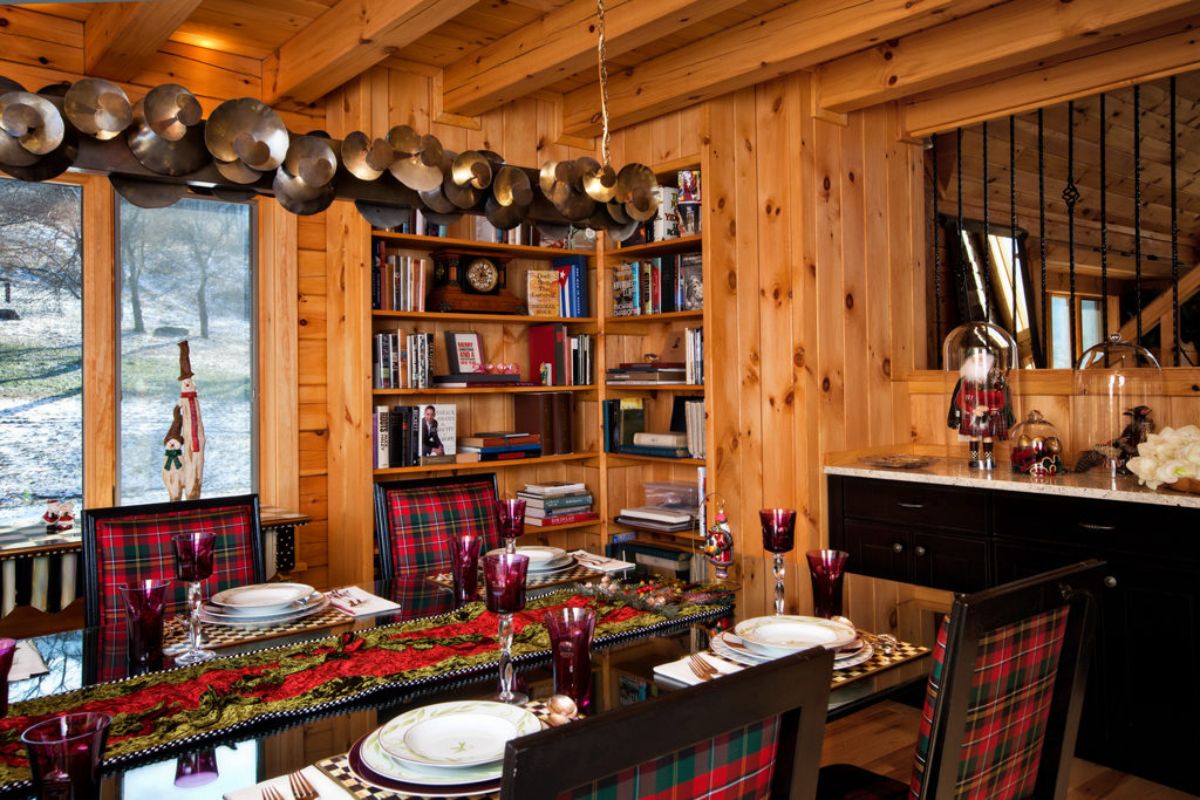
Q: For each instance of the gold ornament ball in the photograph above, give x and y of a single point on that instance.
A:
(1053, 444)
(561, 704)
(1022, 441)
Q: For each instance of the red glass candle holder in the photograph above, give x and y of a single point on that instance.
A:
(571, 632)
(827, 568)
(196, 769)
(144, 603)
(65, 753)
(464, 566)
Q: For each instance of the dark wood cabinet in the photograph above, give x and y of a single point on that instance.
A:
(1143, 690)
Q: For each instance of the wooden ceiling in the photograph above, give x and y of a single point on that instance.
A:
(663, 54)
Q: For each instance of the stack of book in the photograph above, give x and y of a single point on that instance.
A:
(410, 436)
(657, 518)
(556, 503)
(648, 373)
(399, 282)
(485, 231)
(694, 350)
(403, 361)
(664, 444)
(501, 445)
(560, 358)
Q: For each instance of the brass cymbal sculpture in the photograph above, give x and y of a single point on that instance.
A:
(98, 108)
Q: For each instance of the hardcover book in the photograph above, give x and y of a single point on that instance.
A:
(542, 293)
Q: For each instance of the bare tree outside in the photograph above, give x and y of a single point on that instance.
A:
(41, 348)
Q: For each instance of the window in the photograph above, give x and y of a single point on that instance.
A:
(186, 272)
(41, 348)
(1089, 326)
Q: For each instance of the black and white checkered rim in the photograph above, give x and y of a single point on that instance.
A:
(451, 679)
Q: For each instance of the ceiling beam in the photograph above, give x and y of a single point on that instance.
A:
(796, 36)
(1009, 35)
(561, 44)
(347, 40)
(1067, 79)
(119, 37)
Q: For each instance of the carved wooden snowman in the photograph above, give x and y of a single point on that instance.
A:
(172, 471)
(193, 427)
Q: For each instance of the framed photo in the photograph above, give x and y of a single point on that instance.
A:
(464, 352)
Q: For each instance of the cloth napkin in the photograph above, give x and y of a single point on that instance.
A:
(27, 663)
(680, 672)
(325, 786)
(593, 561)
(372, 603)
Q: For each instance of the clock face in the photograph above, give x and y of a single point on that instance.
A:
(482, 275)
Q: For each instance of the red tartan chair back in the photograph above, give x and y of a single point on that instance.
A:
(128, 543)
(414, 520)
(1003, 701)
(754, 734)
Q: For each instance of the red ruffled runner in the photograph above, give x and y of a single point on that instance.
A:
(164, 708)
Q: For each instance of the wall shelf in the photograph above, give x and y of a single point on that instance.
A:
(483, 465)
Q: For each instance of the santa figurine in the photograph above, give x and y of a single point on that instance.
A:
(980, 407)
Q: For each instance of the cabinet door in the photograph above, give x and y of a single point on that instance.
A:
(949, 562)
(1151, 618)
(878, 550)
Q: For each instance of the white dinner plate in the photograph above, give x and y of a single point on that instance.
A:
(216, 616)
(460, 740)
(747, 658)
(262, 596)
(434, 752)
(783, 634)
(554, 566)
(375, 757)
(538, 556)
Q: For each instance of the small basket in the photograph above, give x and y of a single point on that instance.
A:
(1189, 485)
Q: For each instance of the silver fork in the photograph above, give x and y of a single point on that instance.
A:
(271, 793)
(701, 668)
(301, 788)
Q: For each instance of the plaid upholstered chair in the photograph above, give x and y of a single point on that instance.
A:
(1003, 702)
(753, 734)
(128, 543)
(414, 520)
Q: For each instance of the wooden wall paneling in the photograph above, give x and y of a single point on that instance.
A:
(877, 281)
(348, 368)
(830, 298)
(100, 343)
(278, 333)
(407, 101)
(854, 323)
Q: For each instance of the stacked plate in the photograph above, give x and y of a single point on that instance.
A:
(761, 639)
(263, 604)
(443, 750)
(545, 561)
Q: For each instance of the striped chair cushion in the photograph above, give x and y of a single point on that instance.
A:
(138, 547)
(1011, 693)
(422, 518)
(734, 766)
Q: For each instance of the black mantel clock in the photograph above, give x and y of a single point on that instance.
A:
(472, 282)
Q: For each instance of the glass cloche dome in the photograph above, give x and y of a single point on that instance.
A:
(1036, 447)
(1118, 387)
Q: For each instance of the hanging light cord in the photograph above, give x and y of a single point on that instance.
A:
(602, 57)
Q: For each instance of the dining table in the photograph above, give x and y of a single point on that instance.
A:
(275, 703)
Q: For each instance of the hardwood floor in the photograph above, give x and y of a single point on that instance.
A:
(882, 738)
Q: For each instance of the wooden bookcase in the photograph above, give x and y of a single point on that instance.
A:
(615, 480)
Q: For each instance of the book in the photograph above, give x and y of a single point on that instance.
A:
(542, 293)
(466, 458)
(660, 439)
(566, 519)
(382, 437)
(547, 346)
(511, 455)
(548, 488)
(479, 378)
(548, 414)
(500, 441)
(657, 514)
(514, 448)
(557, 501)
(651, 525)
(654, 452)
(691, 282)
(428, 460)
(437, 430)
(554, 513)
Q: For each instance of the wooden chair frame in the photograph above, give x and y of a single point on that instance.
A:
(1078, 586)
(383, 532)
(541, 765)
(91, 574)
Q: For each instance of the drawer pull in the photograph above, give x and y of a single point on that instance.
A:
(1095, 526)
(897, 547)
(910, 505)
(1110, 581)
(919, 550)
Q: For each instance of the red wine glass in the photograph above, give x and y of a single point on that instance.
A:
(504, 574)
(779, 537)
(194, 564)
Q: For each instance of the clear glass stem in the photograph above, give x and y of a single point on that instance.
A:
(778, 565)
(510, 546)
(506, 665)
(194, 600)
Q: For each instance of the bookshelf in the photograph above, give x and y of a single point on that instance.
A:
(614, 479)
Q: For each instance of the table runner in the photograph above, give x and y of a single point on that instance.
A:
(185, 706)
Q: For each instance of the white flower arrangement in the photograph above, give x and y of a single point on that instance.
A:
(1167, 456)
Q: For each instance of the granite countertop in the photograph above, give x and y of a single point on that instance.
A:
(1095, 485)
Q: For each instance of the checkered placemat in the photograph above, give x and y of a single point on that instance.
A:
(338, 768)
(218, 636)
(901, 653)
(576, 574)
